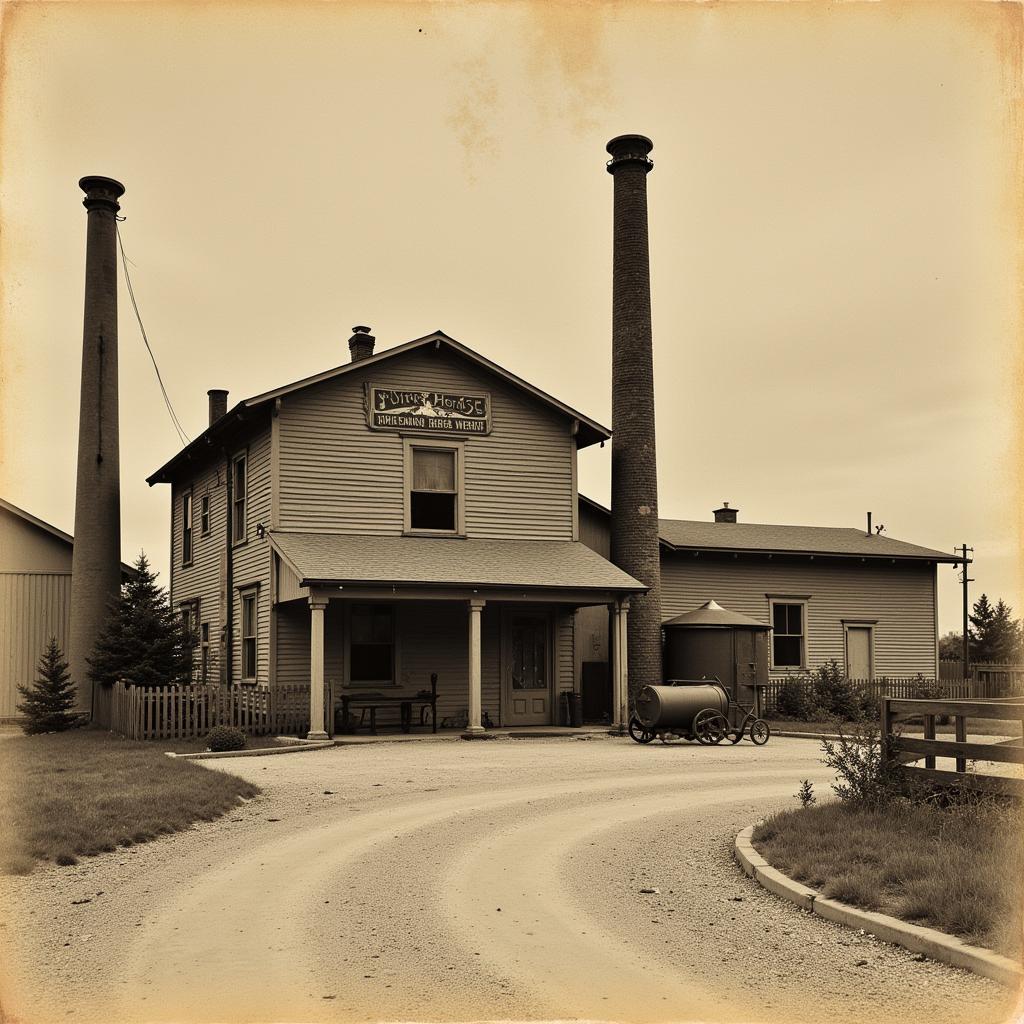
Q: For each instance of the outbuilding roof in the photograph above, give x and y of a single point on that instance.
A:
(339, 559)
(764, 538)
(712, 614)
(589, 432)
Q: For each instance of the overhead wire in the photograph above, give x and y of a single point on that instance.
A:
(175, 422)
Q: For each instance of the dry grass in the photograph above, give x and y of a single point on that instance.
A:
(79, 793)
(960, 870)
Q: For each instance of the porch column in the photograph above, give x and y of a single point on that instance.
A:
(473, 727)
(316, 669)
(620, 681)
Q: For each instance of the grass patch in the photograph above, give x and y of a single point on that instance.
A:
(958, 869)
(84, 792)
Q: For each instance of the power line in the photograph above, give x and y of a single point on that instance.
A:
(175, 422)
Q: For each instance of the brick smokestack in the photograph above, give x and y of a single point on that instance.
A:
(96, 558)
(634, 540)
(218, 404)
(361, 343)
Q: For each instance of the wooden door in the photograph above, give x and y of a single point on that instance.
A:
(527, 668)
(858, 652)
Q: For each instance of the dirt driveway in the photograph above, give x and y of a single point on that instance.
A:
(457, 881)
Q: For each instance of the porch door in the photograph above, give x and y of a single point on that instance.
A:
(858, 652)
(527, 668)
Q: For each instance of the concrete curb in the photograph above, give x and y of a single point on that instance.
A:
(805, 735)
(285, 748)
(932, 943)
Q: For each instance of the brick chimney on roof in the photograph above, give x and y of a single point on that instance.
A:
(725, 514)
(361, 343)
(634, 534)
(218, 404)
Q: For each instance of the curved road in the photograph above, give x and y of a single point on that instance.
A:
(453, 881)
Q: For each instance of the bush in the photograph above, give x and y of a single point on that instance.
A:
(864, 778)
(835, 694)
(48, 704)
(795, 699)
(224, 737)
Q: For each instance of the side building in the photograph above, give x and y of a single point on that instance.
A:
(35, 598)
(866, 601)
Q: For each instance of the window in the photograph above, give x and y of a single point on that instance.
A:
(204, 514)
(186, 529)
(371, 644)
(249, 635)
(189, 612)
(239, 481)
(204, 652)
(433, 487)
(788, 622)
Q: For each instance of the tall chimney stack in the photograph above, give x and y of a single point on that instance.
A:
(634, 540)
(96, 557)
(361, 343)
(218, 404)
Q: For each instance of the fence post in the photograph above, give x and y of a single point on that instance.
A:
(886, 724)
(929, 734)
(960, 728)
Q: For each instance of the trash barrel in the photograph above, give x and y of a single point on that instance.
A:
(575, 709)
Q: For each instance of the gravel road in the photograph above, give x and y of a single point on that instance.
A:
(466, 881)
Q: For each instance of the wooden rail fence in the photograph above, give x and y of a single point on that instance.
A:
(905, 750)
(191, 711)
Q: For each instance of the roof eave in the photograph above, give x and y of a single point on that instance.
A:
(863, 556)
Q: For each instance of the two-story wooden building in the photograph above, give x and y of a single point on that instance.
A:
(408, 513)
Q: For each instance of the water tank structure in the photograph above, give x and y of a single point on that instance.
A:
(713, 641)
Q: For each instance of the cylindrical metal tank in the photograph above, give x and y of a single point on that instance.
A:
(713, 642)
(674, 707)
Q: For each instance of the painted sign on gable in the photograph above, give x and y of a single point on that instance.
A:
(441, 412)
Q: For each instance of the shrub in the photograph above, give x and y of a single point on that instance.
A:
(805, 794)
(795, 699)
(49, 703)
(835, 694)
(864, 777)
(224, 737)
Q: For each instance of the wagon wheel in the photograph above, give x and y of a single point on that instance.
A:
(638, 733)
(710, 726)
(759, 731)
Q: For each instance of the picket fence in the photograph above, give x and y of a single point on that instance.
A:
(191, 711)
(907, 688)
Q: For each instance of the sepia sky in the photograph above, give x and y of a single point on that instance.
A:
(834, 234)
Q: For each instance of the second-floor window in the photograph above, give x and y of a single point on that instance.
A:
(239, 484)
(204, 651)
(204, 514)
(433, 487)
(186, 529)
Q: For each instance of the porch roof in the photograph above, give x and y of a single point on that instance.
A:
(332, 559)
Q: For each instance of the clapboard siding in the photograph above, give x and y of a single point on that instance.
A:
(900, 597)
(33, 607)
(338, 476)
(251, 560)
(203, 579)
(565, 669)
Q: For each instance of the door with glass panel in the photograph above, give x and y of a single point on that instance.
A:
(527, 668)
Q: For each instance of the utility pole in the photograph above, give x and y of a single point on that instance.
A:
(965, 579)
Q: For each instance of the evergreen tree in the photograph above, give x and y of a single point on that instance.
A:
(995, 635)
(49, 704)
(144, 642)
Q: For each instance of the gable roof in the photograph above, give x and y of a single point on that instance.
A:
(589, 431)
(126, 570)
(765, 538)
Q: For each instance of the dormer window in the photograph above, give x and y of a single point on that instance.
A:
(434, 491)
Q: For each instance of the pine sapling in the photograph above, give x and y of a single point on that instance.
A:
(49, 704)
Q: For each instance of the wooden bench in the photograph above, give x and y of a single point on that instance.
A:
(372, 702)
